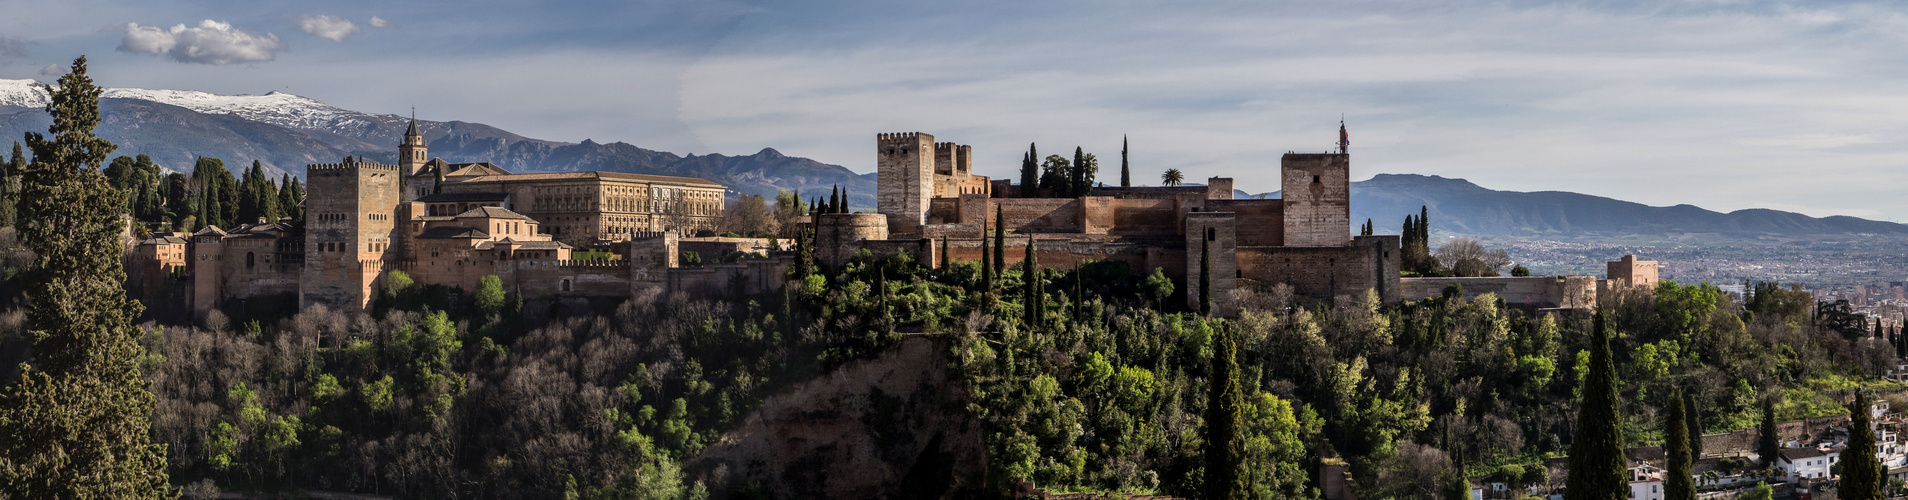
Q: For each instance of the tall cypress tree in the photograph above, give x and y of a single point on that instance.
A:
(1767, 444)
(1678, 484)
(1126, 173)
(1033, 296)
(946, 258)
(78, 422)
(1694, 424)
(987, 265)
(10, 187)
(1596, 451)
(1222, 419)
(1076, 183)
(844, 203)
(1862, 473)
(1000, 241)
(1030, 172)
(1205, 272)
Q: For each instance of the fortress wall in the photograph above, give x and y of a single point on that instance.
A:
(1039, 215)
(1261, 222)
(1321, 273)
(1539, 292)
(545, 278)
(1212, 237)
(944, 211)
(723, 280)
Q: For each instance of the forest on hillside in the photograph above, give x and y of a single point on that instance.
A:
(1086, 378)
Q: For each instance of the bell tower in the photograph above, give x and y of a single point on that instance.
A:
(412, 153)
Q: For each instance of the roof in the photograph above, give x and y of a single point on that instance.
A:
(536, 245)
(462, 197)
(163, 240)
(596, 175)
(413, 130)
(492, 212)
(433, 217)
(454, 232)
(474, 169)
(1794, 454)
(212, 230)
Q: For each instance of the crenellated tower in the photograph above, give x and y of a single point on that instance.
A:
(905, 181)
(351, 211)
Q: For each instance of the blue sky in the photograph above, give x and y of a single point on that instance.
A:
(1722, 104)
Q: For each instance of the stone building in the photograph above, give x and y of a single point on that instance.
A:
(1303, 240)
(448, 224)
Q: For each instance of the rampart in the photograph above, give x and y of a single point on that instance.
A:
(1528, 292)
(1325, 273)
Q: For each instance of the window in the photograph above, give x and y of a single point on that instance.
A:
(249, 260)
(564, 285)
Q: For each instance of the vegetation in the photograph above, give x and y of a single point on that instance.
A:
(1862, 473)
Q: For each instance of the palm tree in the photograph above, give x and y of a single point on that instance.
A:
(1172, 177)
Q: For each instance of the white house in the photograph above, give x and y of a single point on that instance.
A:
(1646, 483)
(1805, 463)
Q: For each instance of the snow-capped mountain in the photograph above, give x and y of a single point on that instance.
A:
(285, 132)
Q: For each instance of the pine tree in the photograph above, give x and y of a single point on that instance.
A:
(77, 423)
(1205, 272)
(1862, 473)
(1694, 424)
(1222, 419)
(1678, 484)
(1000, 241)
(1032, 305)
(1596, 451)
(1767, 445)
(1126, 172)
(1030, 172)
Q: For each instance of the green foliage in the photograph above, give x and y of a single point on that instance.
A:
(489, 296)
(1762, 491)
(77, 423)
(688, 258)
(1596, 453)
(1222, 420)
(1678, 484)
(1862, 473)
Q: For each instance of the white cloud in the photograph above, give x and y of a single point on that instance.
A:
(378, 22)
(211, 42)
(53, 71)
(330, 27)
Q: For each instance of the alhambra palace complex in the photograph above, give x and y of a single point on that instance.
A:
(454, 223)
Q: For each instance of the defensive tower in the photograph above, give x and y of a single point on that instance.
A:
(1317, 192)
(905, 165)
(350, 222)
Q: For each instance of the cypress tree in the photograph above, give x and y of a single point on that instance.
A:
(1205, 273)
(1000, 241)
(1677, 482)
(1030, 172)
(1076, 183)
(10, 187)
(1694, 424)
(1862, 473)
(1031, 305)
(945, 257)
(987, 265)
(1126, 173)
(1222, 419)
(78, 421)
(1767, 445)
(1597, 465)
(1901, 344)
(834, 200)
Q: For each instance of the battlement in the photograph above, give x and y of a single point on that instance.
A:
(343, 168)
(902, 137)
(571, 264)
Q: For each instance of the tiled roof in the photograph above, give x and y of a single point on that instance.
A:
(454, 232)
(474, 169)
(536, 245)
(1794, 454)
(492, 212)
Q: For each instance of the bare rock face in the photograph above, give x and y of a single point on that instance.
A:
(890, 427)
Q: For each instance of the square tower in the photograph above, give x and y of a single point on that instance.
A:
(1317, 197)
(904, 166)
(350, 231)
(1631, 272)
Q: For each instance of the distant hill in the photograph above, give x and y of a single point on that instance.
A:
(1458, 206)
(285, 132)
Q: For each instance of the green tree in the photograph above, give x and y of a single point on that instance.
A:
(1767, 445)
(1205, 272)
(1596, 451)
(77, 423)
(1678, 483)
(986, 263)
(1862, 472)
(1030, 171)
(1126, 172)
(1222, 419)
(1762, 491)
(1694, 423)
(1172, 177)
(1056, 176)
(1000, 241)
(1031, 303)
(10, 187)
(489, 297)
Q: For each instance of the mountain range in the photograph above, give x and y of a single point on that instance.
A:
(285, 132)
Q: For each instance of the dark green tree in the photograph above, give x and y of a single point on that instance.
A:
(1032, 294)
(78, 421)
(1767, 445)
(10, 187)
(946, 258)
(1222, 419)
(1678, 484)
(834, 200)
(1030, 172)
(1862, 473)
(987, 265)
(1596, 451)
(1126, 172)
(843, 209)
(1693, 421)
(1205, 272)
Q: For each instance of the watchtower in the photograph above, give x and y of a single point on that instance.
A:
(1317, 196)
(904, 163)
(350, 228)
(412, 153)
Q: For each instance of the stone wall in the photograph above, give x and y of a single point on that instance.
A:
(1530, 292)
(839, 236)
(1325, 273)
(1262, 220)
(1038, 215)
(724, 280)
(350, 227)
(905, 178)
(1317, 198)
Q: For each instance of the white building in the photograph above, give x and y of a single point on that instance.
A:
(1646, 483)
(1806, 463)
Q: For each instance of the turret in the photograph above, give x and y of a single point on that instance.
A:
(412, 153)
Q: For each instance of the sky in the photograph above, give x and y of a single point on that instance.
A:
(1727, 105)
